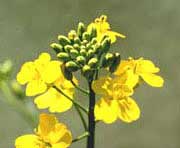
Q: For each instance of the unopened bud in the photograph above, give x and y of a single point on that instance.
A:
(76, 46)
(74, 53)
(93, 32)
(68, 48)
(93, 62)
(17, 89)
(115, 62)
(80, 60)
(84, 42)
(81, 29)
(106, 45)
(77, 40)
(72, 34)
(71, 66)
(86, 36)
(94, 41)
(107, 60)
(83, 52)
(86, 71)
(63, 56)
(91, 53)
(6, 67)
(63, 40)
(57, 47)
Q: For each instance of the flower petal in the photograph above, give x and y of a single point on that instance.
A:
(106, 110)
(28, 141)
(153, 79)
(128, 110)
(35, 87)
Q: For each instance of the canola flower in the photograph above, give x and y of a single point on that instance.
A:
(140, 68)
(49, 134)
(87, 51)
(103, 28)
(116, 101)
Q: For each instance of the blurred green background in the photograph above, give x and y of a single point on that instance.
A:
(27, 27)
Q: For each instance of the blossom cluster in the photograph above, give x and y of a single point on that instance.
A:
(53, 84)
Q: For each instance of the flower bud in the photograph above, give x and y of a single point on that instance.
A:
(86, 71)
(57, 47)
(94, 41)
(67, 74)
(74, 53)
(115, 62)
(72, 34)
(81, 29)
(63, 40)
(91, 53)
(83, 52)
(84, 42)
(80, 60)
(17, 89)
(68, 48)
(6, 67)
(71, 66)
(86, 36)
(76, 46)
(93, 62)
(107, 60)
(93, 32)
(106, 45)
(63, 56)
(77, 41)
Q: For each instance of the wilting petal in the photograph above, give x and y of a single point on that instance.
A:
(153, 79)
(128, 110)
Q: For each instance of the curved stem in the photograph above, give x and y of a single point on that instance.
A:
(74, 102)
(84, 135)
(16, 104)
(79, 88)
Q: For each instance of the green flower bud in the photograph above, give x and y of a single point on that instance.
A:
(97, 48)
(74, 53)
(106, 45)
(71, 66)
(108, 60)
(77, 41)
(6, 67)
(76, 46)
(72, 34)
(86, 36)
(63, 56)
(68, 48)
(115, 62)
(17, 89)
(67, 74)
(91, 53)
(57, 47)
(83, 52)
(86, 71)
(93, 62)
(93, 32)
(81, 29)
(63, 40)
(84, 42)
(94, 41)
(80, 60)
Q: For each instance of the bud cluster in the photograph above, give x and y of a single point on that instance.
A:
(81, 51)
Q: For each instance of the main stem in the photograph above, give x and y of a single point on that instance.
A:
(91, 119)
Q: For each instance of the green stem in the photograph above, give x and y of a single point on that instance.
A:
(84, 135)
(74, 102)
(82, 118)
(16, 104)
(79, 88)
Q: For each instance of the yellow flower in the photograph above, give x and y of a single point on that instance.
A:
(55, 101)
(39, 74)
(103, 28)
(116, 101)
(50, 134)
(134, 69)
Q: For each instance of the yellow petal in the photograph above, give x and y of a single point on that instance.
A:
(26, 73)
(28, 141)
(146, 66)
(106, 110)
(100, 86)
(51, 72)
(128, 110)
(113, 35)
(35, 87)
(153, 79)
